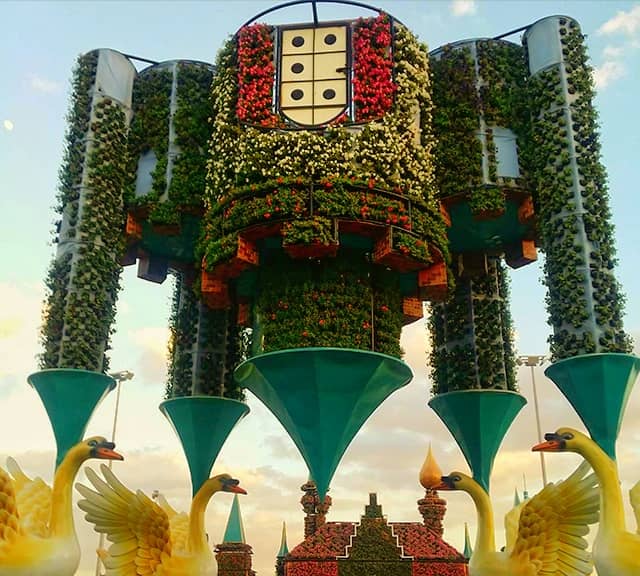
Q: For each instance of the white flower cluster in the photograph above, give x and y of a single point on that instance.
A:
(395, 151)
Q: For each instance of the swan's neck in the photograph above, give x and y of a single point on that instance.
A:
(197, 536)
(61, 520)
(611, 505)
(485, 535)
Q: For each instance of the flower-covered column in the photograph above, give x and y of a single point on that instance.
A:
(584, 300)
(83, 281)
(205, 346)
(471, 335)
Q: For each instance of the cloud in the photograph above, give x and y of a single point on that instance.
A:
(607, 73)
(627, 23)
(611, 52)
(19, 327)
(463, 7)
(7, 125)
(151, 342)
(43, 85)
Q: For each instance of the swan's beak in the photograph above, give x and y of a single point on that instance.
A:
(237, 490)
(105, 451)
(232, 485)
(554, 443)
(445, 484)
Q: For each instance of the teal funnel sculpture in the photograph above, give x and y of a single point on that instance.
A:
(202, 424)
(478, 420)
(70, 397)
(598, 387)
(322, 396)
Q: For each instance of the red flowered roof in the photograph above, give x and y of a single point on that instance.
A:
(417, 541)
(420, 542)
(329, 541)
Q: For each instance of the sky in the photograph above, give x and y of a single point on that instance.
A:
(39, 43)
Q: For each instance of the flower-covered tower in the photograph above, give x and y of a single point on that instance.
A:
(320, 169)
(321, 172)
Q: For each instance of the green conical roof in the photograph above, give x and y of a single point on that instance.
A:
(516, 498)
(284, 549)
(235, 529)
(468, 550)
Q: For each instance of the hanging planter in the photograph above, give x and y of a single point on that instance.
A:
(401, 251)
(433, 283)
(315, 238)
(411, 310)
(487, 203)
(231, 256)
(215, 292)
(521, 254)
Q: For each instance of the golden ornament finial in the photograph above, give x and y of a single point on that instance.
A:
(430, 473)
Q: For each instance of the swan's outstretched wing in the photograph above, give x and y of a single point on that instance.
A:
(33, 499)
(553, 523)
(634, 495)
(178, 523)
(9, 519)
(137, 527)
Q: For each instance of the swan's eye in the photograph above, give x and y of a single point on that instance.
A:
(456, 478)
(567, 436)
(93, 443)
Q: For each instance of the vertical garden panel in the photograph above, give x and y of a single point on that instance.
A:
(471, 335)
(584, 299)
(477, 85)
(83, 280)
(205, 346)
(167, 147)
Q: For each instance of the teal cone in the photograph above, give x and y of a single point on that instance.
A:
(203, 424)
(478, 421)
(70, 397)
(598, 387)
(322, 397)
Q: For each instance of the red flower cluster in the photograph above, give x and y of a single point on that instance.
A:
(255, 75)
(322, 568)
(373, 85)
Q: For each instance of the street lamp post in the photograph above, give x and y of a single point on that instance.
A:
(532, 362)
(119, 377)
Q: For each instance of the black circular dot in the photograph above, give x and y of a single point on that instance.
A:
(297, 94)
(297, 68)
(297, 41)
(329, 94)
(330, 39)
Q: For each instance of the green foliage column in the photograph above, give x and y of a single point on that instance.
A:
(471, 335)
(205, 346)
(83, 280)
(477, 88)
(169, 132)
(342, 302)
(584, 299)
